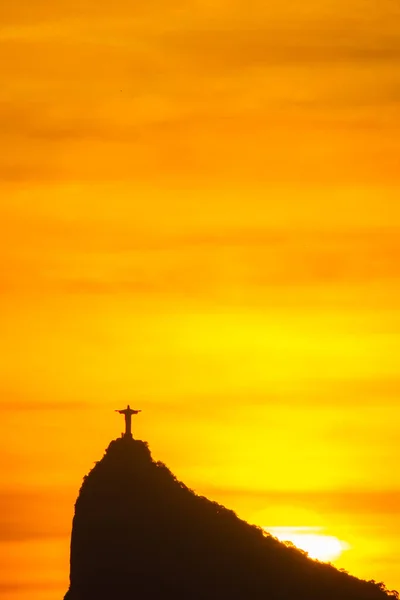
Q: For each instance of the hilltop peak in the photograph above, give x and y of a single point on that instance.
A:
(140, 534)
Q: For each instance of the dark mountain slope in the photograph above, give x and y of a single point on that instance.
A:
(139, 534)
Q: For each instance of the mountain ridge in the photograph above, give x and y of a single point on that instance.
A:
(140, 534)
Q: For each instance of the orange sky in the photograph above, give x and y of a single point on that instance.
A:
(200, 215)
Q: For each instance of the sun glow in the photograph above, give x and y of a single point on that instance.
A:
(319, 546)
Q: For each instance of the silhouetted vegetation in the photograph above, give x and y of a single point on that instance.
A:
(139, 534)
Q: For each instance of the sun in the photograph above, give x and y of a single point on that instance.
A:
(325, 548)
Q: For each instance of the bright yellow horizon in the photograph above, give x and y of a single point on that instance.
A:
(200, 216)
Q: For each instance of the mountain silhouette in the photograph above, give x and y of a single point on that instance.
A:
(140, 534)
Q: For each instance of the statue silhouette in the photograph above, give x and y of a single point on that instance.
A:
(128, 412)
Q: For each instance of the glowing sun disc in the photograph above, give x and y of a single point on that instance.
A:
(325, 548)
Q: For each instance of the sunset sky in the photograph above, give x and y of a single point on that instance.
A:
(200, 216)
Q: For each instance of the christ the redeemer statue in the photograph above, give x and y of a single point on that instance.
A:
(128, 412)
